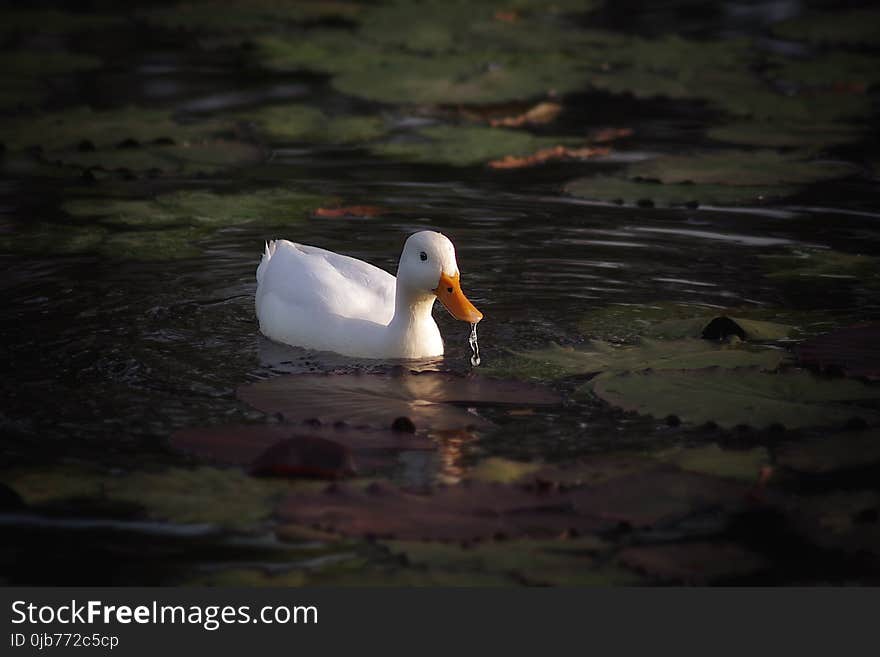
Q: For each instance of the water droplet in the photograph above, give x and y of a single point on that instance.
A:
(475, 347)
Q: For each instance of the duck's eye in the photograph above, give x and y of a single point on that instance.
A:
(423, 256)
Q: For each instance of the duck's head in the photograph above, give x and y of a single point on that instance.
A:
(427, 265)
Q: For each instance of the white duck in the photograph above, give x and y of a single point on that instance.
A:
(309, 297)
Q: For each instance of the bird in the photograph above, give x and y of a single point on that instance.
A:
(310, 297)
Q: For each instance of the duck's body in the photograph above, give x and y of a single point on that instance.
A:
(313, 298)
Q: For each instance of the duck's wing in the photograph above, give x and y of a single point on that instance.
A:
(316, 280)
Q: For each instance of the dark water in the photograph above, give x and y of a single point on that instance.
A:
(104, 359)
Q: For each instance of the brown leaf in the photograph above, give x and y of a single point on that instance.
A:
(606, 135)
(539, 114)
(350, 211)
(547, 154)
(507, 16)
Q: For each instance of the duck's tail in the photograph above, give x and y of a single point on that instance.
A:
(267, 255)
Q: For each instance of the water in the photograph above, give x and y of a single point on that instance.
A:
(106, 358)
(475, 346)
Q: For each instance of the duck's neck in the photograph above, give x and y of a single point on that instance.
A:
(412, 322)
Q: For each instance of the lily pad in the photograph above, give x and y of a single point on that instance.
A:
(428, 399)
(853, 27)
(388, 74)
(764, 167)
(472, 510)
(53, 21)
(225, 498)
(842, 71)
(309, 124)
(628, 322)
(786, 134)
(31, 63)
(731, 397)
(273, 207)
(614, 189)
(305, 456)
(694, 563)
(244, 444)
(86, 130)
(200, 157)
(246, 16)
(853, 351)
(554, 362)
(576, 562)
(841, 451)
(812, 264)
(463, 145)
(744, 465)
(467, 511)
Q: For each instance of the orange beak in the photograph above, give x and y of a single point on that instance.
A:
(450, 295)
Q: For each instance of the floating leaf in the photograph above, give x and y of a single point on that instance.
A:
(853, 351)
(427, 399)
(786, 134)
(504, 471)
(305, 456)
(546, 155)
(33, 64)
(744, 168)
(841, 451)
(83, 129)
(841, 71)
(247, 15)
(576, 562)
(226, 498)
(555, 362)
(856, 27)
(744, 465)
(463, 145)
(52, 21)
(694, 562)
(243, 444)
(613, 189)
(544, 112)
(475, 510)
(350, 211)
(304, 123)
(467, 511)
(272, 207)
(730, 397)
(823, 264)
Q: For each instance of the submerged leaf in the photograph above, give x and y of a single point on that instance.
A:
(832, 453)
(373, 400)
(853, 351)
(244, 444)
(305, 456)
